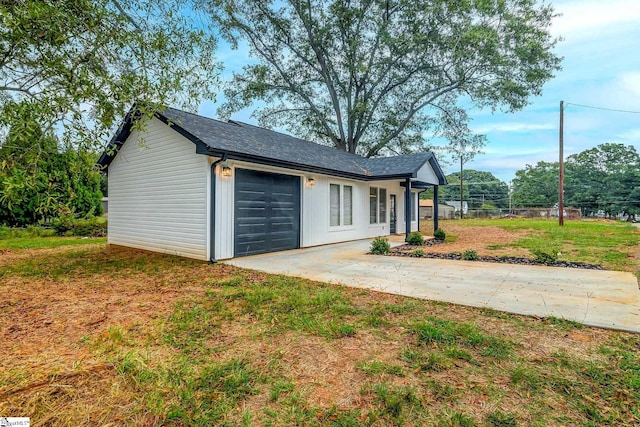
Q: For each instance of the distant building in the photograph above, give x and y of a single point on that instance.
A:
(456, 205)
(426, 210)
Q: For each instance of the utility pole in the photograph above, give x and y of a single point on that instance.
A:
(561, 164)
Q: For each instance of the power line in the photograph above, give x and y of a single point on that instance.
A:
(603, 108)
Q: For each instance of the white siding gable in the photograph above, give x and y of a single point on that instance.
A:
(427, 174)
(158, 194)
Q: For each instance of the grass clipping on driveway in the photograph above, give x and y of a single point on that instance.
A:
(92, 336)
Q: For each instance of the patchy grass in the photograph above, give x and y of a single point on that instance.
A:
(41, 237)
(47, 242)
(97, 336)
(612, 244)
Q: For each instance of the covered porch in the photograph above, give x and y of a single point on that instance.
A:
(411, 184)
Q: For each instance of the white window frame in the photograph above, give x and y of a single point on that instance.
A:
(379, 201)
(415, 203)
(342, 214)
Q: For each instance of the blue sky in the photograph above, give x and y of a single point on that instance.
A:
(601, 67)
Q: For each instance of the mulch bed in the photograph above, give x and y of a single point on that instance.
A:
(407, 251)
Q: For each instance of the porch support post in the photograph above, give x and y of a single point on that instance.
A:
(435, 208)
(407, 208)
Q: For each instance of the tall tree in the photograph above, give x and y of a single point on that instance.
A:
(601, 177)
(80, 64)
(368, 76)
(625, 197)
(40, 180)
(536, 186)
(463, 144)
(604, 178)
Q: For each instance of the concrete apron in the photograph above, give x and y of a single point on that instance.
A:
(607, 299)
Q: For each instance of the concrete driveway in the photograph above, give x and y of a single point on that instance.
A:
(608, 299)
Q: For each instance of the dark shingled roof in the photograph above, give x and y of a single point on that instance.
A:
(241, 141)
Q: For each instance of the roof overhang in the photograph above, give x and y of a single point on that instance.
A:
(419, 185)
(301, 167)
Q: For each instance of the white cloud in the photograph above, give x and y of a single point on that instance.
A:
(629, 136)
(585, 18)
(631, 82)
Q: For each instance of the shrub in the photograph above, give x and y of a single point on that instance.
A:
(470, 255)
(29, 232)
(549, 256)
(380, 246)
(415, 239)
(90, 227)
(439, 234)
(418, 253)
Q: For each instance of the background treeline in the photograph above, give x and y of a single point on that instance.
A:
(604, 179)
(45, 182)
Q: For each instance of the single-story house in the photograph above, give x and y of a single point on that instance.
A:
(207, 189)
(426, 210)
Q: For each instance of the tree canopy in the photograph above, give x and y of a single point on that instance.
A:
(69, 71)
(536, 186)
(375, 76)
(40, 180)
(76, 66)
(604, 178)
(481, 189)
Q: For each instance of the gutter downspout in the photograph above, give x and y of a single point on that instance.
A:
(212, 217)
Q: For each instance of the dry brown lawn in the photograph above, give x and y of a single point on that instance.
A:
(98, 336)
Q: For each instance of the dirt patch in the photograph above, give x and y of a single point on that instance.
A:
(486, 240)
(410, 251)
(43, 321)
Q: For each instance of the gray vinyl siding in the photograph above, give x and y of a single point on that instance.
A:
(158, 194)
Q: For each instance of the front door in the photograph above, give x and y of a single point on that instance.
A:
(392, 214)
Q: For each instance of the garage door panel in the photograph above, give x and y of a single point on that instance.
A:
(267, 212)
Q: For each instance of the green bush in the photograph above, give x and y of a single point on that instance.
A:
(418, 253)
(439, 234)
(415, 239)
(470, 255)
(88, 227)
(546, 256)
(40, 179)
(380, 246)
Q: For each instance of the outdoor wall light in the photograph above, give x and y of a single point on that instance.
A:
(311, 182)
(226, 171)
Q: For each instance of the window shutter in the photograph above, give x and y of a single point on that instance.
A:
(383, 205)
(348, 205)
(334, 204)
(373, 205)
